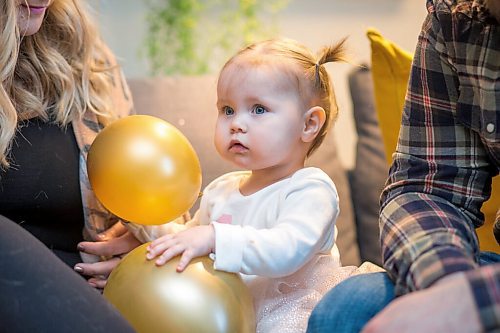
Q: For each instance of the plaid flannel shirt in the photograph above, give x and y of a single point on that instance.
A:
(447, 153)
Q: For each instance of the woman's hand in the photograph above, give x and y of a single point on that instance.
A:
(191, 243)
(115, 242)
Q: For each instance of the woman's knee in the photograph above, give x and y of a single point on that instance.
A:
(11, 234)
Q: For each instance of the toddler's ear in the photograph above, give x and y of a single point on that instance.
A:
(314, 118)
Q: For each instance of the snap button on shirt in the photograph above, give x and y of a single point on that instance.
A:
(490, 127)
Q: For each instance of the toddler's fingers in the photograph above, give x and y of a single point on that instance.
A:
(186, 258)
(158, 241)
(169, 254)
(160, 248)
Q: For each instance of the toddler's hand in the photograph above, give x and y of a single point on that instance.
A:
(191, 243)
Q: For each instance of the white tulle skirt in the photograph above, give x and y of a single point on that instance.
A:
(283, 305)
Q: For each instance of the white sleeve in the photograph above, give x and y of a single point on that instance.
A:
(305, 227)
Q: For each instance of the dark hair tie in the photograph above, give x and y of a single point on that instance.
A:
(316, 74)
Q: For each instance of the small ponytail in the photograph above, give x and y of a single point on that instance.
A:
(332, 53)
(322, 92)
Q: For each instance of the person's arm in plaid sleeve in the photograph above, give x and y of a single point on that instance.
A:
(442, 168)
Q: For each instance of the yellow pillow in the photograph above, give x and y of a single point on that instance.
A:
(391, 70)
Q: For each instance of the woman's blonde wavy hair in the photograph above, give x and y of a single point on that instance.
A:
(57, 74)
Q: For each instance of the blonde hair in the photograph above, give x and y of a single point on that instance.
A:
(312, 79)
(58, 74)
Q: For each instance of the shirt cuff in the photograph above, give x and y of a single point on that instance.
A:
(485, 286)
(435, 264)
(229, 244)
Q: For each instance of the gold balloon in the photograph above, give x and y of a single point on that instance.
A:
(159, 299)
(144, 170)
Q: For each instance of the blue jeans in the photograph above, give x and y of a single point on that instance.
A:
(353, 302)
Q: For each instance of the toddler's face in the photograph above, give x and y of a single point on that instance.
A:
(30, 15)
(260, 119)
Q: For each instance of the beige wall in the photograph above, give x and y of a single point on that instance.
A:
(313, 22)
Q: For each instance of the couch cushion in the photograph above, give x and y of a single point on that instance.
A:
(189, 103)
(391, 70)
(370, 171)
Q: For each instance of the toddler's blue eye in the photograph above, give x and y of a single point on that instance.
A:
(259, 109)
(228, 111)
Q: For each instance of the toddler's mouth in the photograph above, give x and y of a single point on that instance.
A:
(237, 147)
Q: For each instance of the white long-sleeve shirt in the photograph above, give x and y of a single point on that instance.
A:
(274, 231)
(281, 239)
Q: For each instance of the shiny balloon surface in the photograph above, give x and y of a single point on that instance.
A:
(144, 170)
(159, 299)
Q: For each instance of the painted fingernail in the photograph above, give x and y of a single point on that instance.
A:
(80, 247)
(78, 269)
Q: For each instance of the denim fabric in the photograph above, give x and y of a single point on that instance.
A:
(351, 304)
